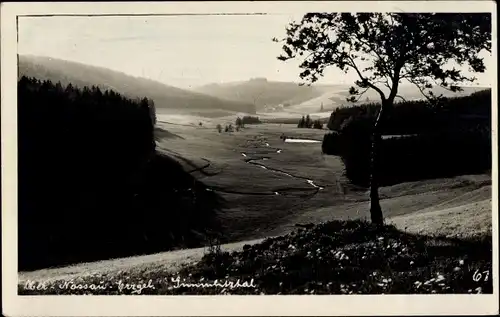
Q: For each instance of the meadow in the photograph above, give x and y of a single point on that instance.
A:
(252, 211)
(190, 198)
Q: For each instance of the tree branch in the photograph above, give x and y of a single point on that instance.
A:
(359, 96)
(399, 96)
(365, 81)
(441, 85)
(420, 89)
(386, 68)
(384, 82)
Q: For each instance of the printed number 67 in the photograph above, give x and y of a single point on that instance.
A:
(476, 277)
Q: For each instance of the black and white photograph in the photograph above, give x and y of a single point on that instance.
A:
(254, 148)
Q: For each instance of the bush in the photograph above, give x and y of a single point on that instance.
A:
(91, 185)
(337, 257)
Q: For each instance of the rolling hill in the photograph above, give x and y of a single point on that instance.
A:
(262, 93)
(335, 96)
(288, 98)
(165, 97)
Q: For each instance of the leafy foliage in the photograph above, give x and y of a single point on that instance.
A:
(385, 48)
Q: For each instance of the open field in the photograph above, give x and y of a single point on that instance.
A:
(269, 186)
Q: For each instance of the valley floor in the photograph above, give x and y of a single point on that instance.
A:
(269, 186)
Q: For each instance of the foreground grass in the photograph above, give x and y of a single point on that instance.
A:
(338, 257)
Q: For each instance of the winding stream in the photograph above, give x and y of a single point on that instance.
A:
(255, 162)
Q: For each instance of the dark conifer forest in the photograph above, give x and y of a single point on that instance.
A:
(89, 179)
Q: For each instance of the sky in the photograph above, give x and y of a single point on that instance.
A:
(181, 51)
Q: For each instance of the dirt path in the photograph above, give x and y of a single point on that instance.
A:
(169, 261)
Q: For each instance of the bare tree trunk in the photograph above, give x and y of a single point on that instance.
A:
(375, 209)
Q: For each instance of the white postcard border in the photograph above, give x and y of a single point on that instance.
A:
(15, 305)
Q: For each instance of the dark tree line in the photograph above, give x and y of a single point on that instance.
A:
(419, 116)
(307, 122)
(442, 140)
(91, 185)
(247, 120)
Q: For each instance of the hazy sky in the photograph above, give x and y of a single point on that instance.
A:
(181, 51)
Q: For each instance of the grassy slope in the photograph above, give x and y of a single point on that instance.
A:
(304, 99)
(263, 92)
(164, 96)
(335, 97)
(339, 257)
(253, 211)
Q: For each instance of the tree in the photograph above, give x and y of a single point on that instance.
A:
(146, 103)
(308, 123)
(317, 124)
(385, 49)
(152, 110)
(239, 122)
(219, 128)
(302, 122)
